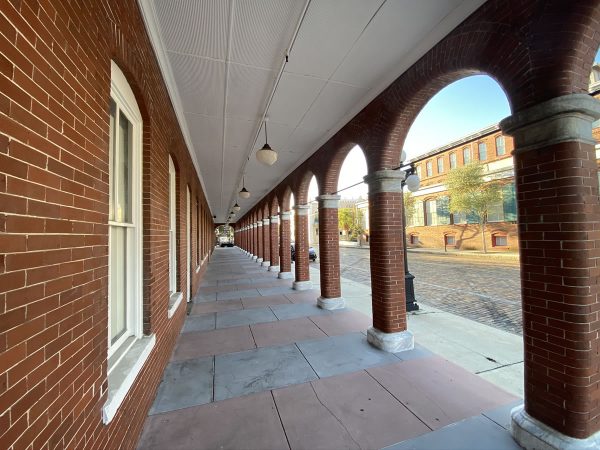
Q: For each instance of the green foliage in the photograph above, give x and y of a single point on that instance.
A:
(409, 206)
(471, 194)
(345, 218)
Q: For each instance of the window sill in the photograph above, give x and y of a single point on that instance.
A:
(124, 373)
(174, 302)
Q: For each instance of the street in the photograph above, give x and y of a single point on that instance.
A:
(483, 290)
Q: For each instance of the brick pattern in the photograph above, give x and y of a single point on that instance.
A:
(54, 129)
(387, 261)
(274, 239)
(301, 246)
(259, 242)
(285, 258)
(266, 237)
(559, 227)
(329, 253)
(466, 236)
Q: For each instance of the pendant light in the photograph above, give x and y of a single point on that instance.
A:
(244, 192)
(236, 207)
(266, 155)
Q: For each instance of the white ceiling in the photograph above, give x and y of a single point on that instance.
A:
(221, 60)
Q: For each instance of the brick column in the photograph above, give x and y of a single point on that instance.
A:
(556, 179)
(259, 242)
(266, 243)
(301, 254)
(329, 253)
(274, 267)
(285, 258)
(254, 241)
(389, 331)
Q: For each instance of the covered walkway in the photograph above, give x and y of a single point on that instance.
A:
(259, 365)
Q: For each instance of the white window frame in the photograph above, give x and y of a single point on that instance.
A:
(172, 227)
(188, 239)
(127, 356)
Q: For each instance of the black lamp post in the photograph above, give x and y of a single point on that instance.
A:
(409, 287)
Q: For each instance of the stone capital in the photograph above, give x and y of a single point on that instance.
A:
(259, 223)
(274, 219)
(385, 181)
(567, 118)
(329, 201)
(302, 210)
(265, 222)
(285, 215)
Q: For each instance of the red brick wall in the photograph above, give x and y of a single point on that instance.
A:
(274, 238)
(266, 229)
(329, 249)
(54, 129)
(285, 264)
(301, 246)
(467, 236)
(387, 261)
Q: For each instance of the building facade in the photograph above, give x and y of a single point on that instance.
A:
(430, 224)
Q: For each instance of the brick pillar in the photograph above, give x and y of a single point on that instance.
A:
(285, 258)
(266, 229)
(254, 241)
(389, 331)
(329, 253)
(556, 180)
(301, 243)
(259, 241)
(274, 267)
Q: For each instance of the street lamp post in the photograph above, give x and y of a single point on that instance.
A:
(409, 287)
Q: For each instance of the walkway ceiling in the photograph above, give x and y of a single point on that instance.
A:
(221, 60)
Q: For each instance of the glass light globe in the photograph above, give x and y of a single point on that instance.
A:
(266, 155)
(413, 183)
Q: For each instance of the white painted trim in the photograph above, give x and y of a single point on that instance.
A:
(174, 302)
(123, 376)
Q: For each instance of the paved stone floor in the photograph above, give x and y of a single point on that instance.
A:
(484, 290)
(259, 366)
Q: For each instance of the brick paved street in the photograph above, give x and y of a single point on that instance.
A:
(487, 291)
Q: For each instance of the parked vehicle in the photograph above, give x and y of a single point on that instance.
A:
(312, 253)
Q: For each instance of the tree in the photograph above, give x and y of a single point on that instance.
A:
(409, 206)
(345, 219)
(357, 228)
(470, 193)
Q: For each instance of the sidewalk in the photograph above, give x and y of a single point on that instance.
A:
(493, 354)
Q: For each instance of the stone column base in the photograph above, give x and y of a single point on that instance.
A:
(532, 434)
(254, 257)
(302, 285)
(265, 263)
(273, 268)
(259, 260)
(331, 303)
(391, 342)
(285, 275)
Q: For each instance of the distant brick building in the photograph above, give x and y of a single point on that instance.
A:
(432, 225)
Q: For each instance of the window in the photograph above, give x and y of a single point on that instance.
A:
(414, 239)
(499, 240)
(482, 151)
(429, 168)
(496, 212)
(124, 252)
(172, 228)
(442, 206)
(419, 172)
(417, 217)
(452, 161)
(430, 212)
(449, 239)
(466, 155)
(127, 347)
(500, 150)
(440, 165)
